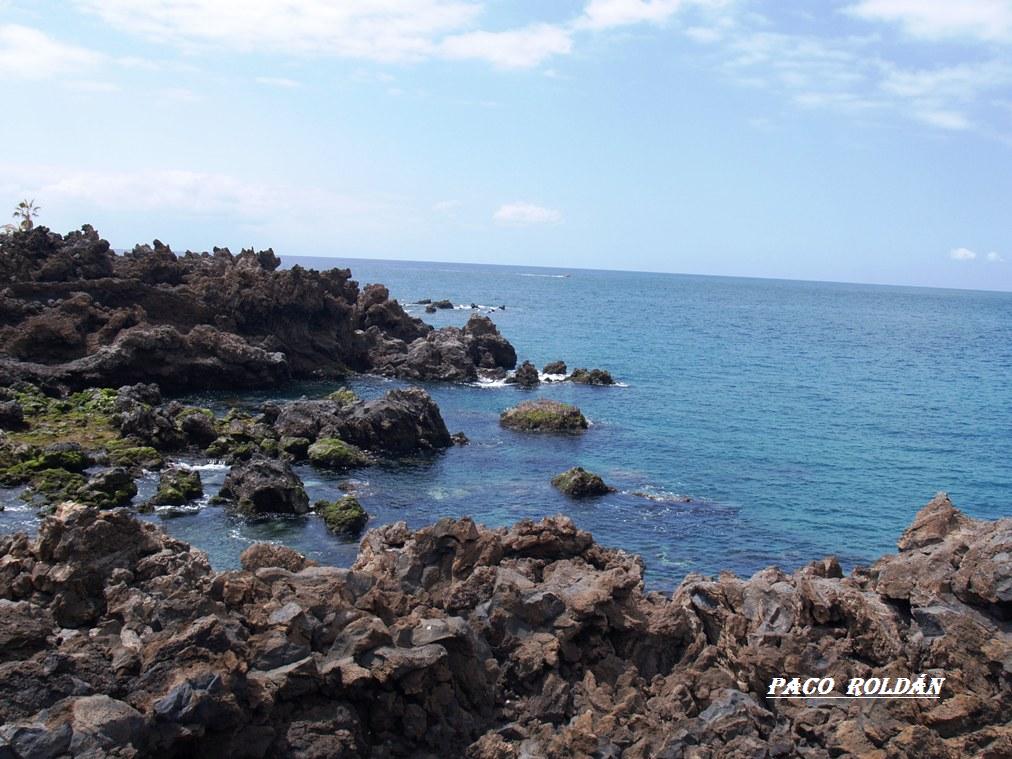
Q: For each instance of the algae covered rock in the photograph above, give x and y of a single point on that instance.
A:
(109, 489)
(544, 416)
(334, 453)
(591, 377)
(344, 516)
(579, 483)
(177, 486)
(344, 396)
(135, 457)
(264, 486)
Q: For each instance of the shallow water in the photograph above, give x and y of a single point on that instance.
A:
(803, 419)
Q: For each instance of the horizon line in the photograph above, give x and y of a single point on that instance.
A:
(652, 271)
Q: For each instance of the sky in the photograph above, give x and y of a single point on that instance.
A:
(857, 140)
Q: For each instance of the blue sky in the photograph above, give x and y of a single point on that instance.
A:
(861, 140)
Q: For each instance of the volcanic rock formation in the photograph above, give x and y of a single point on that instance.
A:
(457, 640)
(73, 314)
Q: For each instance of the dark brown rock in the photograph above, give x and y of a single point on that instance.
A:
(459, 640)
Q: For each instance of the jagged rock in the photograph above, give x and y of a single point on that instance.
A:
(591, 377)
(460, 640)
(77, 315)
(261, 555)
(579, 483)
(443, 304)
(544, 416)
(555, 367)
(449, 354)
(264, 486)
(526, 376)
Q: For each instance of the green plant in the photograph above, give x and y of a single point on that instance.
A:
(26, 211)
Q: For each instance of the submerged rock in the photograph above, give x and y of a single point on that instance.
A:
(344, 516)
(264, 486)
(544, 416)
(579, 483)
(460, 640)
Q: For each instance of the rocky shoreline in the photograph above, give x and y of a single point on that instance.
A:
(458, 640)
(451, 640)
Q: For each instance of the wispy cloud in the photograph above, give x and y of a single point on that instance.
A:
(27, 53)
(962, 254)
(518, 48)
(522, 213)
(984, 20)
(183, 192)
(995, 257)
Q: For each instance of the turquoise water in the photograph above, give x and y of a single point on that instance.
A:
(802, 419)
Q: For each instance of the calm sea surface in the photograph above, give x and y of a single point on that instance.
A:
(802, 419)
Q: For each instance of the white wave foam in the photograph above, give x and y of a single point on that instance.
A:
(546, 276)
(210, 466)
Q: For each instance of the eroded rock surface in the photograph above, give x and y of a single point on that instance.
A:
(457, 640)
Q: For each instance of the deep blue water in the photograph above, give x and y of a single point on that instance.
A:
(803, 419)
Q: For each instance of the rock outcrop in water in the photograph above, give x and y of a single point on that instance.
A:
(457, 640)
(544, 415)
(73, 314)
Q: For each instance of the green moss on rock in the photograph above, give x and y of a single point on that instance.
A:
(177, 486)
(334, 453)
(544, 416)
(579, 483)
(344, 396)
(344, 516)
(134, 457)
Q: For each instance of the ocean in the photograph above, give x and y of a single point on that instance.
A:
(757, 422)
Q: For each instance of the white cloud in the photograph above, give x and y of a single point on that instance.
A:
(986, 20)
(962, 254)
(517, 48)
(609, 14)
(182, 192)
(951, 120)
(27, 53)
(447, 207)
(380, 30)
(522, 213)
(606, 14)
(279, 81)
(995, 257)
